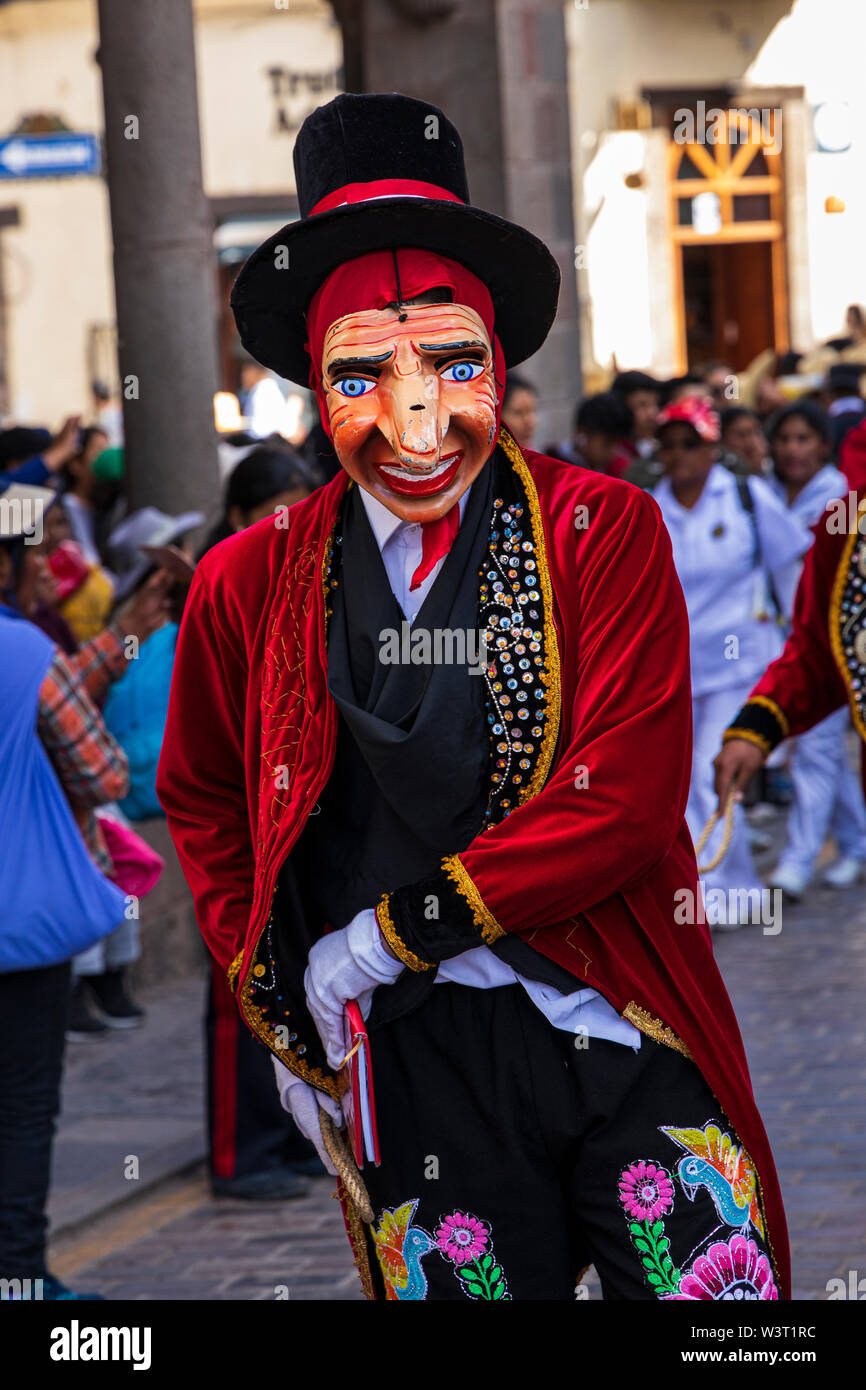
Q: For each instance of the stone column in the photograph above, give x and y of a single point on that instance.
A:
(163, 253)
(498, 70)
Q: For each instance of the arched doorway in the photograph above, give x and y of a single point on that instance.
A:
(727, 229)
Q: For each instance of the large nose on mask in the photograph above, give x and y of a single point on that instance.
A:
(413, 425)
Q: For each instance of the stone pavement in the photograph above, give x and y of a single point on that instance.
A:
(136, 1095)
(799, 997)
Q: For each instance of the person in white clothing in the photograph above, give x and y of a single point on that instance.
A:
(828, 796)
(736, 549)
(263, 403)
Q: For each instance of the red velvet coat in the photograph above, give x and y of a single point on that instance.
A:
(587, 869)
(818, 671)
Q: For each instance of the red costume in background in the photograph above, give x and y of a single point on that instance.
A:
(823, 665)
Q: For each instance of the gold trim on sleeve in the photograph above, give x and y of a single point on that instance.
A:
(389, 932)
(777, 713)
(481, 914)
(750, 737)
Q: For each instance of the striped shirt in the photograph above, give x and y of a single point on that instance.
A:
(91, 765)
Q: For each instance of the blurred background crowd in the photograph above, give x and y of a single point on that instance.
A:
(710, 348)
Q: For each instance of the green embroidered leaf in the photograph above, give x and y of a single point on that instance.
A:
(667, 1264)
(642, 1245)
(655, 1278)
(663, 1244)
(499, 1292)
(475, 1289)
(648, 1262)
(487, 1262)
(636, 1228)
(466, 1273)
(658, 1227)
(495, 1274)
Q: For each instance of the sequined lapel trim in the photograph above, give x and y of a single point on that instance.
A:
(516, 617)
(550, 674)
(287, 1048)
(847, 606)
(232, 972)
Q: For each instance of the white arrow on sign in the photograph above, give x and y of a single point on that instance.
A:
(19, 156)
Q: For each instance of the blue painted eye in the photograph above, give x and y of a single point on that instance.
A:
(353, 386)
(463, 371)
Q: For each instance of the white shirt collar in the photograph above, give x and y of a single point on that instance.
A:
(385, 524)
(847, 405)
(719, 480)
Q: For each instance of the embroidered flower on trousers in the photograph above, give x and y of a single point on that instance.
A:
(731, 1269)
(646, 1191)
(462, 1238)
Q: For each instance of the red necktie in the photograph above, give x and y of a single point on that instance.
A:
(437, 538)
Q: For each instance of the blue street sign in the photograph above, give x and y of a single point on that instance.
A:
(54, 156)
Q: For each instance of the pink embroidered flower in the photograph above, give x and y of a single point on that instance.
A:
(462, 1238)
(646, 1191)
(730, 1270)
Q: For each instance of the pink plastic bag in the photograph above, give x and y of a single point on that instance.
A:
(137, 867)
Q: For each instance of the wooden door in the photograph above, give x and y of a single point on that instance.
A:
(727, 302)
(728, 242)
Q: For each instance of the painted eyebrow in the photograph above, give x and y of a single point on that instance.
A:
(358, 361)
(463, 343)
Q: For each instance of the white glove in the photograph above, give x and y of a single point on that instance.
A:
(303, 1103)
(346, 964)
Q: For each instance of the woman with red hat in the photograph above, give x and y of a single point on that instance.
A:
(427, 750)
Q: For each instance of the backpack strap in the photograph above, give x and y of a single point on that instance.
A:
(747, 502)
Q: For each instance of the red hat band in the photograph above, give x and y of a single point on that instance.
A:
(382, 188)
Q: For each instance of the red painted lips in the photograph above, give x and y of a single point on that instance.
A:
(398, 478)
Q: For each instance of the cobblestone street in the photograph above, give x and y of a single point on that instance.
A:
(798, 995)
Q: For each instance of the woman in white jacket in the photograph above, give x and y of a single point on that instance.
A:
(737, 552)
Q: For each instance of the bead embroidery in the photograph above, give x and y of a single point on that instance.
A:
(847, 629)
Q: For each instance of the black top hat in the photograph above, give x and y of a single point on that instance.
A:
(375, 172)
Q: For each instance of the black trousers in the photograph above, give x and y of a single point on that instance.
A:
(33, 1007)
(514, 1155)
